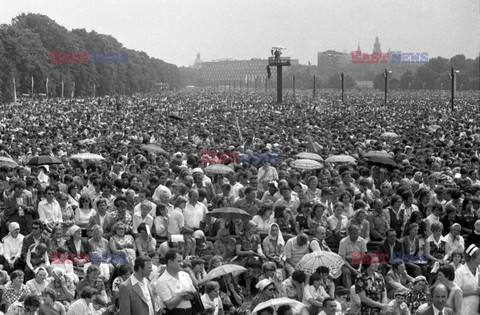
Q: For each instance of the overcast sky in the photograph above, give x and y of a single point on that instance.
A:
(175, 30)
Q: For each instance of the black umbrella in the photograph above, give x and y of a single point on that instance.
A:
(381, 160)
(44, 160)
(176, 117)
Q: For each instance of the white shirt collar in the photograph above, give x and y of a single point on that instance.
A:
(436, 310)
(135, 280)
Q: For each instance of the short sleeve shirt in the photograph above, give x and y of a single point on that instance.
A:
(169, 287)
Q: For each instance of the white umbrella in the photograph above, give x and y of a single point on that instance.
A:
(87, 156)
(389, 135)
(305, 164)
(340, 159)
(309, 156)
(297, 307)
(310, 262)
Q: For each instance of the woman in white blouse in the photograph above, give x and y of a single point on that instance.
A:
(84, 212)
(12, 247)
(264, 218)
(454, 241)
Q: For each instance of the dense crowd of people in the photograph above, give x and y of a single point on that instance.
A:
(132, 231)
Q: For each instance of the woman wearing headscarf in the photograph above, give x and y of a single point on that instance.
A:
(12, 248)
(78, 248)
(266, 291)
(467, 278)
(454, 241)
(273, 245)
(39, 283)
(63, 286)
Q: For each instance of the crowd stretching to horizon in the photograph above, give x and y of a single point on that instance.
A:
(75, 235)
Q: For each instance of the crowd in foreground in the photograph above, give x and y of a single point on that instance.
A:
(88, 236)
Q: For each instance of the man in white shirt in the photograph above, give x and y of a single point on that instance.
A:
(49, 209)
(143, 217)
(175, 288)
(194, 211)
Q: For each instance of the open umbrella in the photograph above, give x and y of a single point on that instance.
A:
(175, 117)
(223, 270)
(309, 156)
(154, 148)
(381, 160)
(44, 160)
(8, 162)
(377, 154)
(305, 164)
(87, 156)
(389, 135)
(297, 307)
(218, 169)
(229, 213)
(310, 262)
(340, 159)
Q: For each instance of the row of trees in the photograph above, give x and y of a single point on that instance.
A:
(25, 52)
(434, 75)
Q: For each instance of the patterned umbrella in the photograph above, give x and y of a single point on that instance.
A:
(305, 164)
(297, 307)
(8, 162)
(309, 156)
(230, 213)
(310, 262)
(223, 270)
(87, 156)
(218, 169)
(377, 154)
(44, 160)
(340, 159)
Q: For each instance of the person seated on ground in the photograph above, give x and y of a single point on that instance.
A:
(337, 222)
(284, 218)
(40, 282)
(273, 245)
(122, 243)
(78, 248)
(92, 279)
(37, 256)
(417, 296)
(269, 271)
(266, 291)
(318, 242)
(293, 286)
(225, 245)
(295, 249)
(50, 305)
(29, 305)
(378, 222)
(327, 281)
(454, 241)
(211, 299)
(12, 249)
(352, 250)
(398, 305)
(146, 244)
(203, 248)
(317, 218)
(397, 278)
(124, 272)
(143, 217)
(314, 294)
(15, 290)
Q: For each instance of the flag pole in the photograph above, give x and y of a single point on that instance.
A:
(14, 90)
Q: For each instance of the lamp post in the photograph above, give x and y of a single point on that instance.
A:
(293, 86)
(385, 75)
(441, 86)
(314, 86)
(453, 77)
(343, 87)
(409, 85)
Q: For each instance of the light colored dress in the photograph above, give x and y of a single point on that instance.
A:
(467, 281)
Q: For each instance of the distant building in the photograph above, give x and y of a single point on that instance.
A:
(334, 63)
(229, 71)
(198, 62)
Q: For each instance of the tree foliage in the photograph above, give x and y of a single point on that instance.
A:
(25, 52)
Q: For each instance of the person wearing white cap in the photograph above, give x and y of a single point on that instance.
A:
(12, 247)
(467, 278)
(266, 291)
